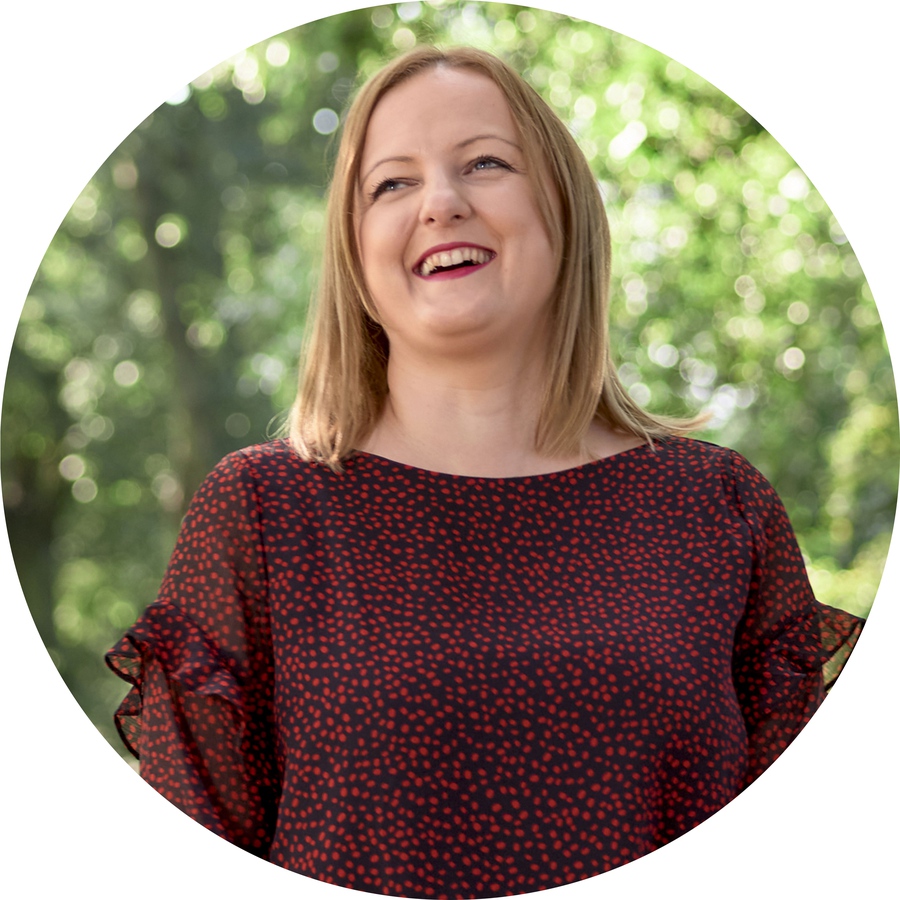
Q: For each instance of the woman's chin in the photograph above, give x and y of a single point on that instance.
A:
(454, 321)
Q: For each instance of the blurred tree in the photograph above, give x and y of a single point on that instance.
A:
(164, 325)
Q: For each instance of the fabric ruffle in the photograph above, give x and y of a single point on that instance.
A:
(191, 665)
(840, 631)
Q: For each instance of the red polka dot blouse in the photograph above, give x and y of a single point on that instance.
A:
(431, 685)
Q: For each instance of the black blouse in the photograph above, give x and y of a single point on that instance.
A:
(430, 685)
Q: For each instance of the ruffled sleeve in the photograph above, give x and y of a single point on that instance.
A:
(199, 713)
(788, 648)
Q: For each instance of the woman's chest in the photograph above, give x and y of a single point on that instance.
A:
(504, 610)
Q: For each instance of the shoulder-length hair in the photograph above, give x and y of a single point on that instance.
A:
(343, 378)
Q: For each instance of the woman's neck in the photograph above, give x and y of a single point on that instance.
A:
(477, 419)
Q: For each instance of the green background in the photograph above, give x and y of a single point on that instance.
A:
(163, 327)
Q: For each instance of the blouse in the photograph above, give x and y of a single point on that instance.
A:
(420, 684)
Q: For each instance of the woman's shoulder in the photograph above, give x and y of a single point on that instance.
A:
(672, 455)
(278, 452)
(698, 460)
(277, 455)
(692, 454)
(740, 484)
(695, 451)
(264, 469)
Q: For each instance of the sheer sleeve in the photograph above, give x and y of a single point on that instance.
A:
(199, 713)
(788, 648)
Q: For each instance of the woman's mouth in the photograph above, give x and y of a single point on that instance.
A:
(455, 260)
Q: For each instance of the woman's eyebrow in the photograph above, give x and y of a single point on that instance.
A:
(486, 137)
(387, 159)
(459, 146)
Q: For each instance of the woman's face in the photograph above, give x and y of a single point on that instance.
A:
(453, 248)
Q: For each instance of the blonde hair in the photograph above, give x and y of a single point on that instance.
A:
(343, 379)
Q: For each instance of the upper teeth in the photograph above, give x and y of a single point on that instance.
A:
(446, 258)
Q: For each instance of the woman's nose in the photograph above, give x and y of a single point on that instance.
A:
(443, 202)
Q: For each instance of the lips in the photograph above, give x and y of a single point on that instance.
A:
(446, 259)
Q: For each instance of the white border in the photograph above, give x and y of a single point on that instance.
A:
(78, 77)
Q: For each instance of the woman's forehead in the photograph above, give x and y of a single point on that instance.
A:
(438, 105)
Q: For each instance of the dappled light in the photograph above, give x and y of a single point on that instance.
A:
(325, 121)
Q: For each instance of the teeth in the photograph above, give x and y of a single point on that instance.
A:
(446, 258)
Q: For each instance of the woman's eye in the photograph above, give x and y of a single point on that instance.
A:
(489, 162)
(389, 184)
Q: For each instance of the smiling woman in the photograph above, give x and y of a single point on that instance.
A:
(481, 158)
(443, 171)
(459, 267)
(482, 625)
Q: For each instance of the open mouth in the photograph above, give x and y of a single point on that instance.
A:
(456, 259)
(452, 268)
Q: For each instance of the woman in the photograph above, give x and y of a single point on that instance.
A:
(481, 626)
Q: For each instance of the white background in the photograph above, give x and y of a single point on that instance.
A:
(77, 78)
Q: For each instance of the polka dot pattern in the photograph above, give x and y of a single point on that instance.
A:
(429, 685)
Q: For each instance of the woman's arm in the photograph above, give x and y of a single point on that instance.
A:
(786, 640)
(199, 715)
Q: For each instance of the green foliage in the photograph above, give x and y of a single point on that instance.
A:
(165, 322)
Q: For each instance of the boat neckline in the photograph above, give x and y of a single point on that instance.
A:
(556, 473)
